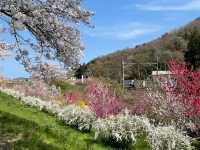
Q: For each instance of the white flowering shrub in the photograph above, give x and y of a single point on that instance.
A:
(52, 107)
(121, 128)
(126, 128)
(11, 92)
(168, 138)
(54, 91)
(33, 101)
(80, 117)
(48, 106)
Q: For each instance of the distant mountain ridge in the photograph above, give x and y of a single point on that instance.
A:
(170, 45)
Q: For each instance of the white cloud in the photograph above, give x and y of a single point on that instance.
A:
(124, 31)
(192, 5)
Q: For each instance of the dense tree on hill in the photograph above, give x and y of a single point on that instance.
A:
(44, 30)
(192, 55)
(81, 71)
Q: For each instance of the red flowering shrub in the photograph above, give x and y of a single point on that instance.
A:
(186, 88)
(102, 101)
(187, 92)
(70, 98)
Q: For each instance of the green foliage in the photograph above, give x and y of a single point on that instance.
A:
(81, 71)
(192, 56)
(196, 144)
(64, 86)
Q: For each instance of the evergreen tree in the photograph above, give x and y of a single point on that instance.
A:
(192, 55)
(81, 71)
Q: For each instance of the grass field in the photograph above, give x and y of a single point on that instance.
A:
(25, 128)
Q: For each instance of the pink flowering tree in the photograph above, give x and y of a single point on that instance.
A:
(102, 101)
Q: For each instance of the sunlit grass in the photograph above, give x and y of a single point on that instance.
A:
(38, 130)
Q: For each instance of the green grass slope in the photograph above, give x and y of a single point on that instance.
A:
(25, 128)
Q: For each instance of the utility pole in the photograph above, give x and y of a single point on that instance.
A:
(157, 65)
(123, 73)
(138, 67)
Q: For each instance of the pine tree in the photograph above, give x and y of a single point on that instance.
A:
(192, 55)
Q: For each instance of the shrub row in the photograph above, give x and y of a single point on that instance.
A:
(122, 128)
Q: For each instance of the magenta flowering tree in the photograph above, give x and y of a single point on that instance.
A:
(185, 93)
(177, 97)
(102, 101)
(186, 88)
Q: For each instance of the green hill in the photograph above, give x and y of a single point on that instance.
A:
(170, 45)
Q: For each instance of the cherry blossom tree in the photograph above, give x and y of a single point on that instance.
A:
(48, 72)
(44, 30)
(4, 47)
(3, 51)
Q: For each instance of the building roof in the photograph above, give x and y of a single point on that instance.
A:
(161, 73)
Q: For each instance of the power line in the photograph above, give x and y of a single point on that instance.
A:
(126, 64)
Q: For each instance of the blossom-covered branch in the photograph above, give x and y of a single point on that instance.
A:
(45, 28)
(4, 49)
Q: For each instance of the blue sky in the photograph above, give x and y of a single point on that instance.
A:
(123, 23)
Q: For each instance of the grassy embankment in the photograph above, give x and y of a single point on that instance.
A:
(22, 127)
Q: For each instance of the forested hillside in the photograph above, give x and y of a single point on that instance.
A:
(170, 45)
